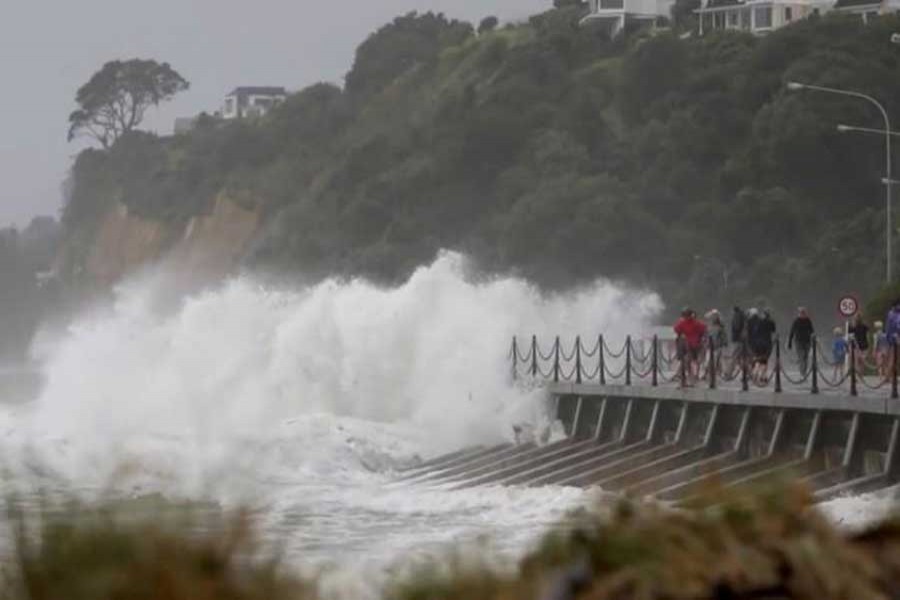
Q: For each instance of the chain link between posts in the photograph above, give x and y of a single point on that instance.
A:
(641, 362)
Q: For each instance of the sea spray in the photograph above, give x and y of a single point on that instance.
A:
(238, 362)
(301, 402)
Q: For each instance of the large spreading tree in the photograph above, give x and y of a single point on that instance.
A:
(117, 96)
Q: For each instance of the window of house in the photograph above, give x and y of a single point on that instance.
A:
(262, 102)
(612, 4)
(229, 105)
(732, 19)
(763, 16)
(788, 13)
(869, 16)
(719, 20)
(745, 18)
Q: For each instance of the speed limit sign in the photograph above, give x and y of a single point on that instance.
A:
(848, 306)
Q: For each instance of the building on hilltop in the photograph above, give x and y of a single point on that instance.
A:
(252, 101)
(763, 16)
(867, 9)
(616, 13)
(756, 16)
(184, 124)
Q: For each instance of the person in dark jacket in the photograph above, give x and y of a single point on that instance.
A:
(859, 337)
(760, 338)
(802, 331)
(739, 354)
(738, 326)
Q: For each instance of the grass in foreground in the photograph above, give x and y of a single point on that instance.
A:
(756, 544)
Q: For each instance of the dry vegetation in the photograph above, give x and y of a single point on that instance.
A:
(764, 544)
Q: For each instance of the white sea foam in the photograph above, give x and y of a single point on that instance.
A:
(855, 512)
(300, 401)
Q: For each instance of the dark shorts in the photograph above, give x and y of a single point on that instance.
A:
(761, 353)
(692, 352)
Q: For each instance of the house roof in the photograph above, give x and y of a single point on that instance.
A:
(258, 91)
(854, 3)
(721, 3)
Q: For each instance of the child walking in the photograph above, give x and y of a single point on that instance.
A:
(839, 348)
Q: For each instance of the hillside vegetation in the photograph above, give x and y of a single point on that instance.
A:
(548, 150)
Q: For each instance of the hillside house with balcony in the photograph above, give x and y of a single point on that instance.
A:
(754, 16)
(867, 9)
(616, 13)
(252, 101)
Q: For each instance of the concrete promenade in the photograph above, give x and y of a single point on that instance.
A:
(631, 427)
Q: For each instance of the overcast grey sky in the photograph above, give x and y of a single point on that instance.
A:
(48, 48)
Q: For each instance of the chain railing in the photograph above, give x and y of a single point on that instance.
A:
(663, 363)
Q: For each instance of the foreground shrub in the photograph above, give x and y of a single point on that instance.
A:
(124, 553)
(766, 543)
(761, 543)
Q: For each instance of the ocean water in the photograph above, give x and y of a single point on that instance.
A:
(304, 403)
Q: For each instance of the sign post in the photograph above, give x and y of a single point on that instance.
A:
(848, 307)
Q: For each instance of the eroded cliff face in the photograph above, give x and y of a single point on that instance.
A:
(206, 247)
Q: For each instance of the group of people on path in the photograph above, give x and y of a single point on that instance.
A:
(753, 334)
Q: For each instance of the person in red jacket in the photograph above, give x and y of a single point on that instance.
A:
(691, 334)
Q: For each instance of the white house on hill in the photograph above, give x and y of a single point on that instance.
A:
(755, 16)
(252, 101)
(763, 16)
(614, 13)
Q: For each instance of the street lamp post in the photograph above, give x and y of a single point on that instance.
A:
(795, 86)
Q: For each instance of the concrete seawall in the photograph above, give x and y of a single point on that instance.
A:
(670, 443)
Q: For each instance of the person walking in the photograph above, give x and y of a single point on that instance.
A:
(800, 337)
(859, 337)
(893, 323)
(718, 338)
(759, 342)
(738, 325)
(691, 333)
(839, 353)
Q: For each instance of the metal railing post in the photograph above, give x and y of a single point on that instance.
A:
(628, 360)
(777, 365)
(655, 360)
(578, 359)
(534, 356)
(556, 361)
(602, 361)
(682, 350)
(853, 368)
(815, 365)
(745, 375)
(894, 370)
(712, 364)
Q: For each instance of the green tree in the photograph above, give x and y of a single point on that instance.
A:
(113, 102)
(407, 42)
(488, 24)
